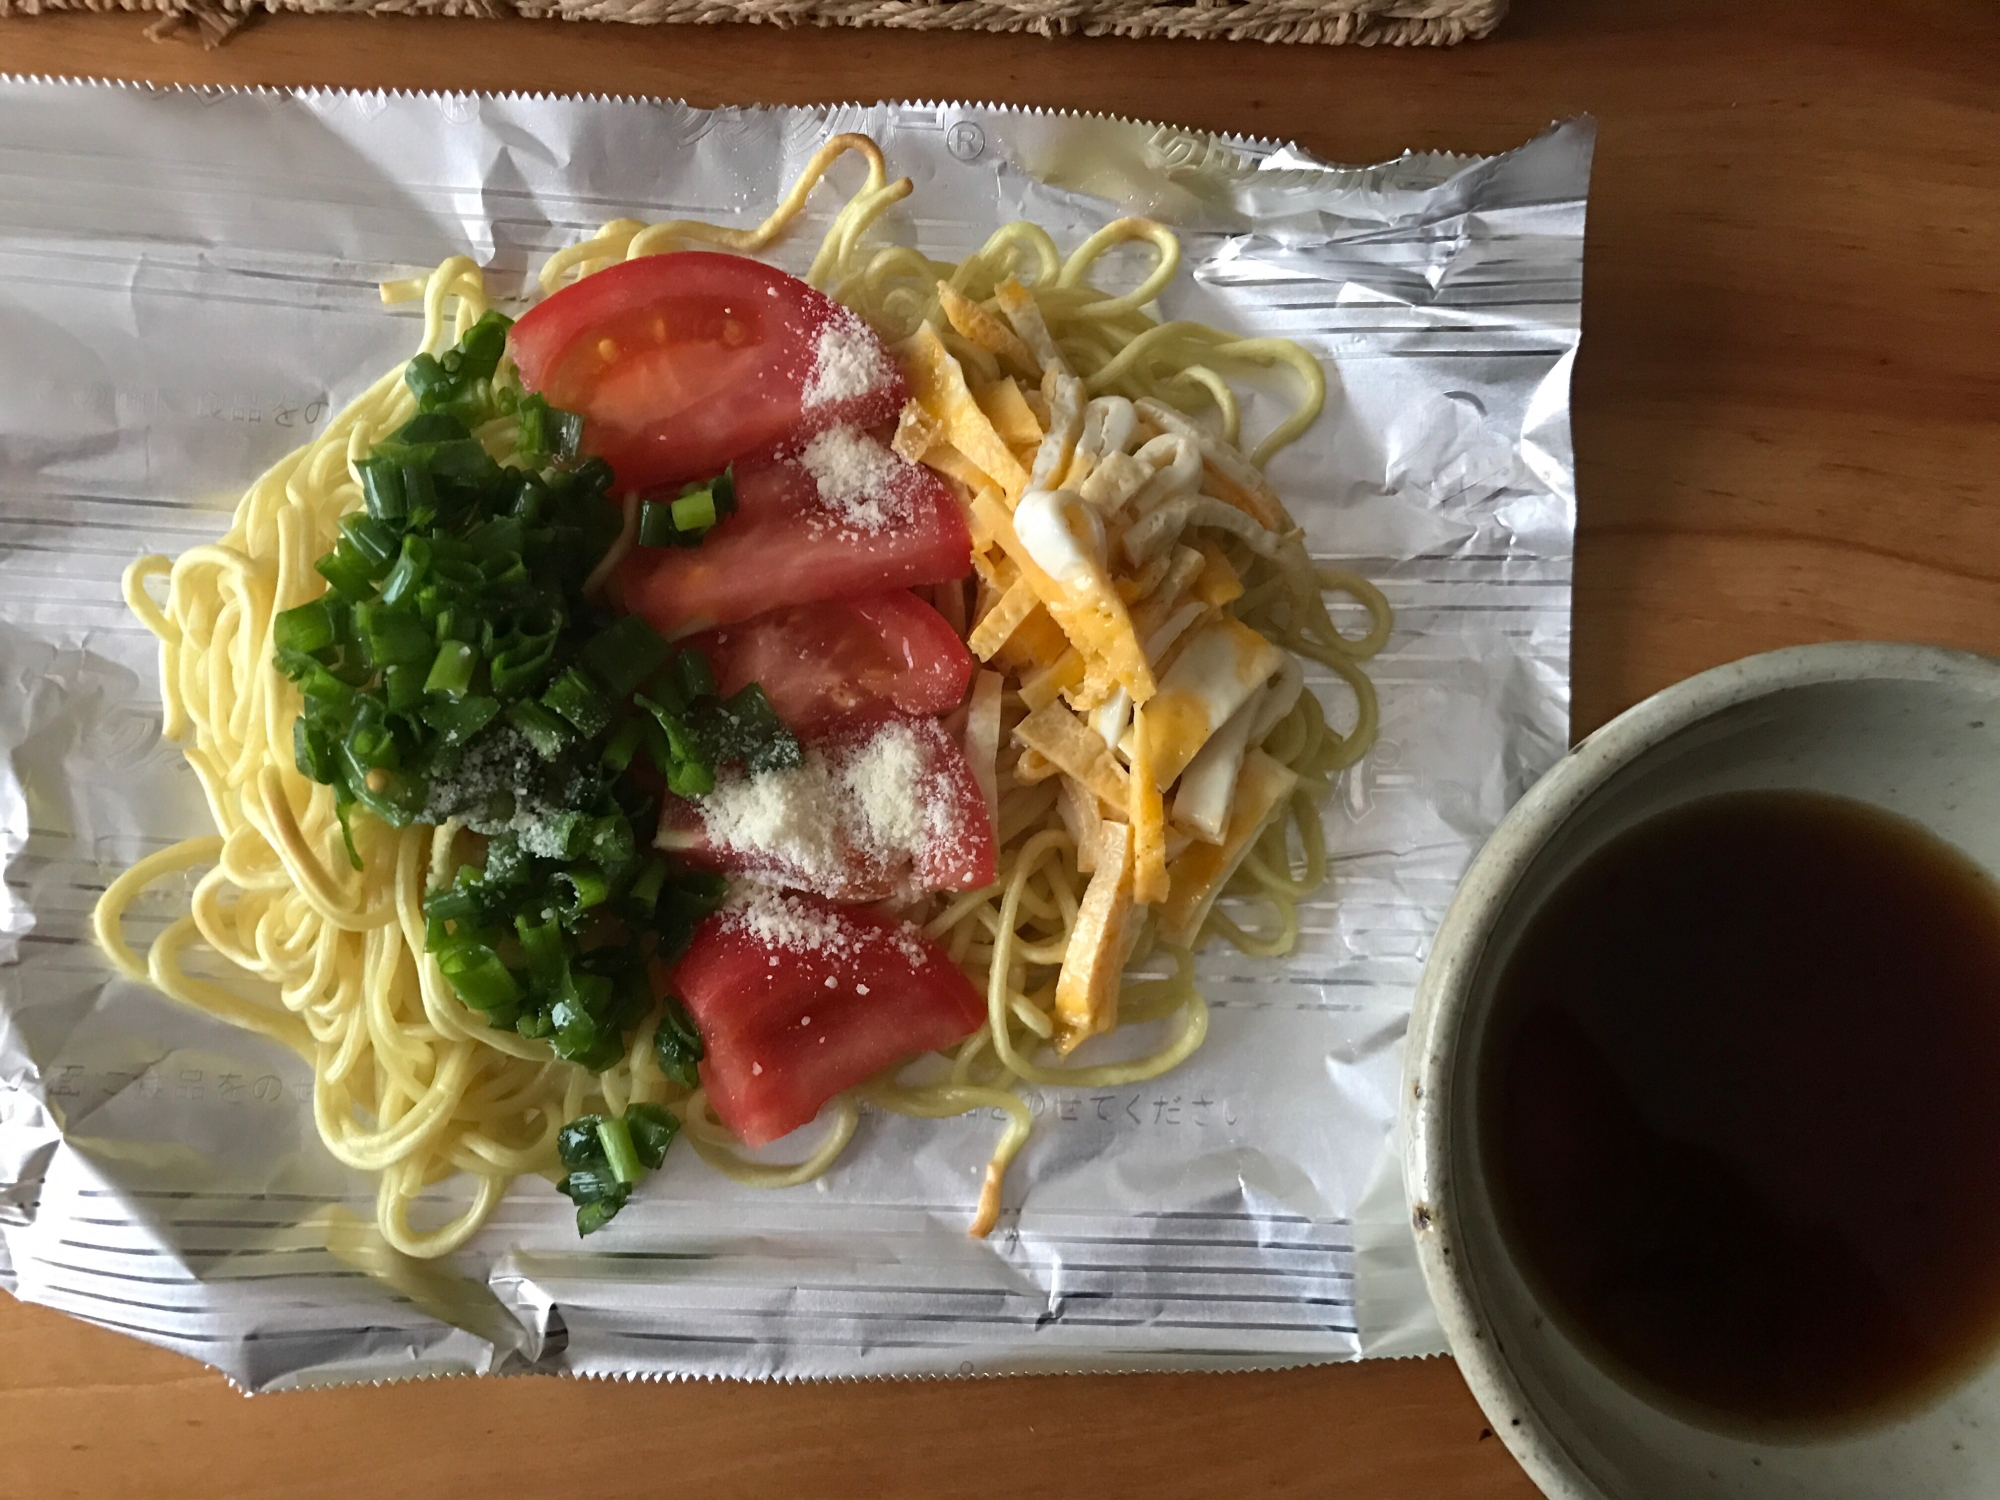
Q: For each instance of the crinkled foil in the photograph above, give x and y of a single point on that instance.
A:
(188, 288)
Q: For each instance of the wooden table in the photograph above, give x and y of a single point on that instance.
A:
(1788, 429)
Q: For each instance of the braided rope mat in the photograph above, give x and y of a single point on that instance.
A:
(1367, 22)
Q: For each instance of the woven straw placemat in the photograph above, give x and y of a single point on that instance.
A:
(1368, 22)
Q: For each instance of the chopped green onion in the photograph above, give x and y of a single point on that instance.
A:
(371, 538)
(403, 686)
(645, 889)
(382, 488)
(420, 493)
(652, 1129)
(744, 727)
(623, 745)
(543, 730)
(577, 1145)
(656, 524)
(695, 511)
(411, 566)
(578, 699)
(616, 1139)
(313, 752)
(693, 675)
(587, 888)
(688, 773)
(458, 720)
(306, 628)
(542, 942)
(451, 672)
(624, 654)
(348, 573)
(677, 1046)
(480, 978)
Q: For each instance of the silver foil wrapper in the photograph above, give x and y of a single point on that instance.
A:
(188, 288)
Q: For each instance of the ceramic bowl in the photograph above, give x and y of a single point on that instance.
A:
(1911, 729)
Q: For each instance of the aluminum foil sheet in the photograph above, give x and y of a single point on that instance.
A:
(188, 288)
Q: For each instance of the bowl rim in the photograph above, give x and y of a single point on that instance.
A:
(1438, 1016)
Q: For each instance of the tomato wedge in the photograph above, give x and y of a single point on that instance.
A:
(681, 363)
(822, 663)
(786, 546)
(797, 999)
(877, 809)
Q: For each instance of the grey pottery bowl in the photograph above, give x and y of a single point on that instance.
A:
(1912, 729)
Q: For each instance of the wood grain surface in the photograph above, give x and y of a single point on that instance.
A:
(1788, 429)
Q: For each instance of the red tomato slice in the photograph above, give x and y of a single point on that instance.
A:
(785, 546)
(877, 809)
(825, 662)
(681, 363)
(797, 999)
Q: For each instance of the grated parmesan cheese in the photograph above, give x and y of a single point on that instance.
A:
(860, 816)
(781, 921)
(778, 920)
(863, 484)
(848, 362)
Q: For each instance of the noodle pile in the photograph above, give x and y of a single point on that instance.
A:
(411, 1085)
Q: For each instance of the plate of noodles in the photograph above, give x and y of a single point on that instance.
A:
(714, 699)
(770, 742)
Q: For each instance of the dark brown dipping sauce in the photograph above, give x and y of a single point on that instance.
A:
(1741, 1109)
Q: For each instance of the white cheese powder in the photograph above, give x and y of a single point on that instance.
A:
(848, 362)
(861, 482)
(877, 804)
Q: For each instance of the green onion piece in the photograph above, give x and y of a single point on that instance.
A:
(480, 978)
(653, 1129)
(542, 729)
(596, 1183)
(594, 1216)
(656, 524)
(458, 720)
(428, 380)
(542, 942)
(396, 638)
(695, 511)
(307, 628)
(646, 885)
(744, 727)
(484, 342)
(533, 428)
(587, 888)
(677, 1046)
(687, 771)
(411, 566)
(624, 654)
(343, 809)
(577, 698)
(451, 672)
(519, 662)
(382, 488)
(723, 487)
(371, 538)
(427, 429)
(624, 744)
(693, 675)
(420, 493)
(403, 686)
(576, 1143)
(607, 842)
(456, 903)
(347, 573)
(616, 1139)
(313, 752)
(369, 738)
